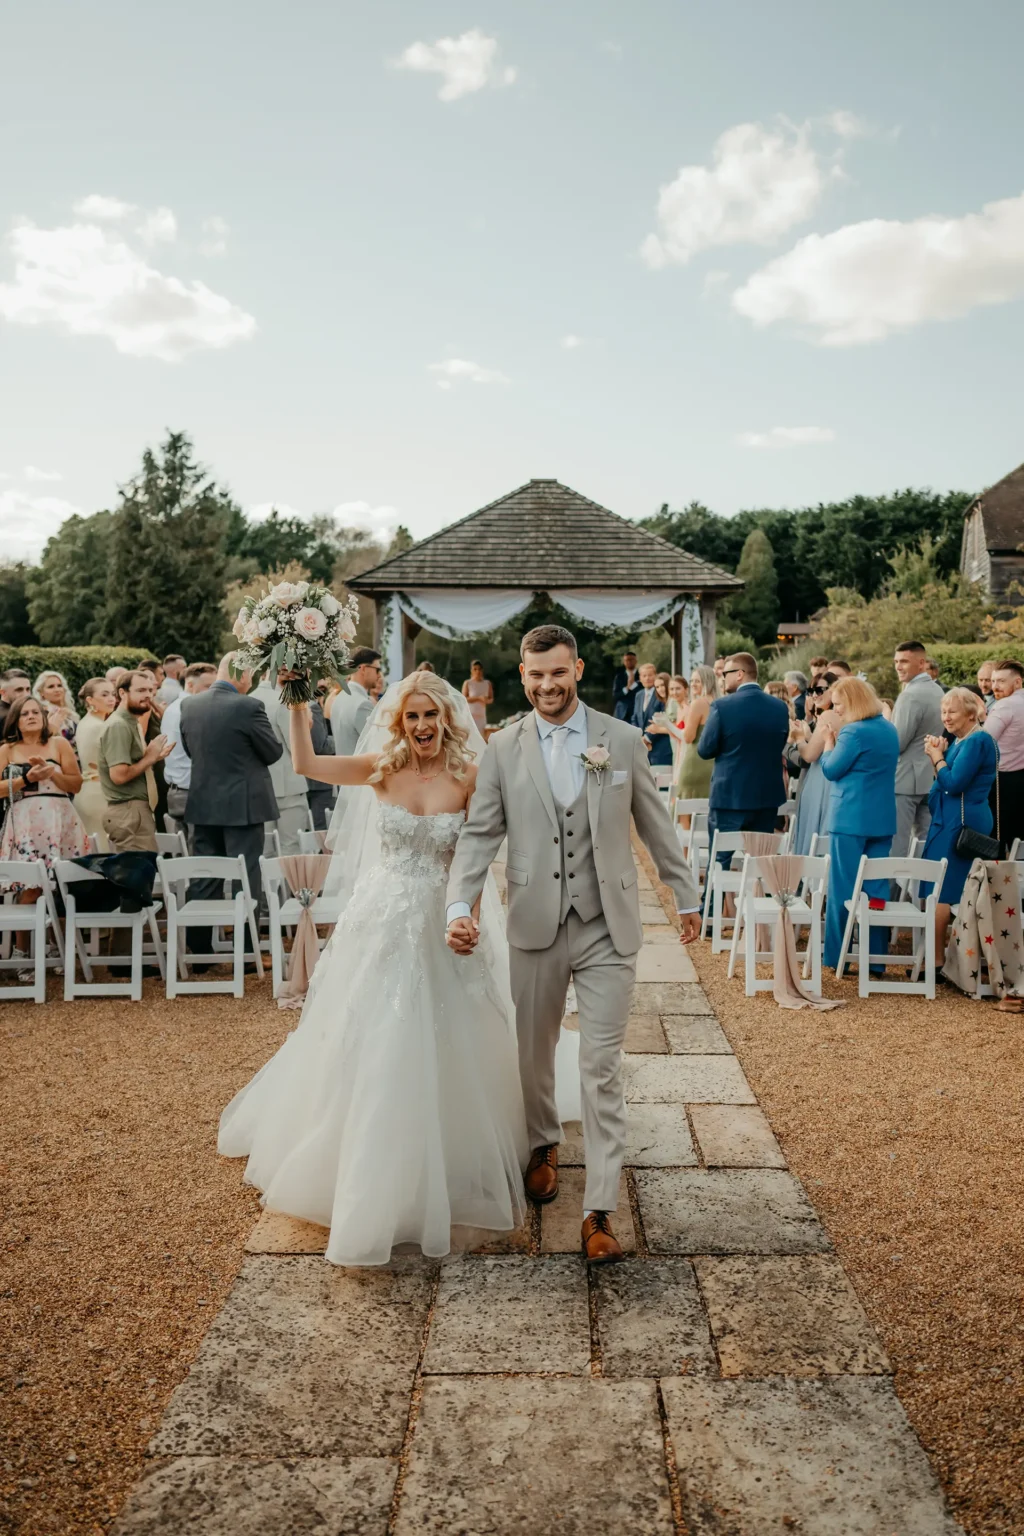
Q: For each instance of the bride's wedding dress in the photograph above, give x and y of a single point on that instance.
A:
(394, 1110)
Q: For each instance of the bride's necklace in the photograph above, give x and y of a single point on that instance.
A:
(426, 777)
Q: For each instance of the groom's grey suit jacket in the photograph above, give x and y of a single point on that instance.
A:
(513, 797)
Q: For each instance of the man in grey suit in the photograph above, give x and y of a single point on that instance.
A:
(562, 783)
(289, 787)
(232, 744)
(350, 711)
(917, 713)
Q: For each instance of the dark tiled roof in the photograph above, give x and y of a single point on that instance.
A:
(545, 536)
(1002, 511)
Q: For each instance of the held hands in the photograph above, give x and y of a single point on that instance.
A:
(689, 927)
(463, 935)
(935, 747)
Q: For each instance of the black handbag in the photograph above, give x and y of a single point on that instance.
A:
(971, 844)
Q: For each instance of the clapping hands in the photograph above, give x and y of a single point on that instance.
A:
(40, 768)
(935, 747)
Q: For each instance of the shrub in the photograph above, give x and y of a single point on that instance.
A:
(729, 641)
(77, 662)
(959, 664)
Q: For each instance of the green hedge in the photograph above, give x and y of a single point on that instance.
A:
(959, 663)
(77, 662)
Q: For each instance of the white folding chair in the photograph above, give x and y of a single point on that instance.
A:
(1015, 847)
(38, 919)
(184, 912)
(722, 880)
(313, 842)
(805, 911)
(819, 844)
(693, 840)
(914, 913)
(69, 877)
(664, 778)
(272, 844)
(172, 845)
(284, 912)
(310, 823)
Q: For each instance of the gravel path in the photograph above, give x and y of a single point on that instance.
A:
(121, 1232)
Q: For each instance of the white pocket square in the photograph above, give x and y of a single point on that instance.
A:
(619, 776)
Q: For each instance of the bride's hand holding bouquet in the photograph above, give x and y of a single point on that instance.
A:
(300, 628)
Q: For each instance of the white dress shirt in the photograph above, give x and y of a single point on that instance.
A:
(177, 764)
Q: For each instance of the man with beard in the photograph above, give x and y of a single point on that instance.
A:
(126, 766)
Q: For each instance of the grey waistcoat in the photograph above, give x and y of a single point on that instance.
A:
(580, 888)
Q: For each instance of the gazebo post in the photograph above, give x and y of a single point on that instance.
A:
(410, 629)
(380, 608)
(675, 629)
(707, 626)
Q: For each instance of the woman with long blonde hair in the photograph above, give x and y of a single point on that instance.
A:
(394, 1110)
(54, 694)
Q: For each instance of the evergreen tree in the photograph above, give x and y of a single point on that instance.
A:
(16, 627)
(67, 592)
(167, 559)
(755, 610)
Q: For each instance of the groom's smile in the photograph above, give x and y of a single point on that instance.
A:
(549, 681)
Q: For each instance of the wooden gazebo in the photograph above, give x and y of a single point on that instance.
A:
(474, 575)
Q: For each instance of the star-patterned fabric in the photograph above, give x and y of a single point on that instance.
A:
(986, 942)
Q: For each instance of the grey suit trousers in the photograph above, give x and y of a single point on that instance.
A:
(583, 953)
(913, 818)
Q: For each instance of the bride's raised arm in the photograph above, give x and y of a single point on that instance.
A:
(326, 770)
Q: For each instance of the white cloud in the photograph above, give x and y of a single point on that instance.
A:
(85, 280)
(31, 473)
(787, 437)
(457, 368)
(760, 183)
(158, 225)
(360, 514)
(866, 280)
(96, 206)
(467, 63)
(27, 521)
(847, 125)
(570, 342)
(215, 236)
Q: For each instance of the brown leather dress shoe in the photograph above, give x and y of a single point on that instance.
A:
(542, 1175)
(600, 1245)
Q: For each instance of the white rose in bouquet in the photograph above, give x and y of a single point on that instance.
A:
(266, 627)
(287, 593)
(330, 605)
(238, 628)
(347, 627)
(310, 623)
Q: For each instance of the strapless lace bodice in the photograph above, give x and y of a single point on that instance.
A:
(417, 847)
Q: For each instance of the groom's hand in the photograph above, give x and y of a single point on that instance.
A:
(463, 935)
(689, 927)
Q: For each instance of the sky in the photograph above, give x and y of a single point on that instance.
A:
(389, 260)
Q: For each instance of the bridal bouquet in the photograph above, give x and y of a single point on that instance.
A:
(300, 626)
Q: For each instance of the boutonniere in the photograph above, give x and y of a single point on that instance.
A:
(595, 759)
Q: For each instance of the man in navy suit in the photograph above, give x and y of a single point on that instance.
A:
(624, 688)
(745, 734)
(645, 706)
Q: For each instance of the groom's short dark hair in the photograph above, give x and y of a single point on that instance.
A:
(545, 637)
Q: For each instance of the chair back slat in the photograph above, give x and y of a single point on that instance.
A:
(178, 871)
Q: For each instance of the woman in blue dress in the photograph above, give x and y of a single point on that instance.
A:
(964, 774)
(860, 764)
(803, 756)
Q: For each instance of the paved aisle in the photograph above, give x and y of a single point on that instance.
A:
(724, 1379)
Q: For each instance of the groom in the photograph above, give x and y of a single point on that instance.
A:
(562, 784)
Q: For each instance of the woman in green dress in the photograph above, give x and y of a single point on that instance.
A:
(694, 780)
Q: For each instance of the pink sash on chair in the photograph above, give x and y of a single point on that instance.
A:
(780, 875)
(758, 844)
(305, 874)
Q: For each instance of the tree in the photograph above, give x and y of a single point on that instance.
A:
(755, 610)
(16, 627)
(277, 541)
(168, 560)
(67, 592)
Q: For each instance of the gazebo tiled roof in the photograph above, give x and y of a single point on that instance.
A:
(545, 535)
(1002, 512)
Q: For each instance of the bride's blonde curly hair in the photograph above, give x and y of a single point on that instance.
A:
(397, 754)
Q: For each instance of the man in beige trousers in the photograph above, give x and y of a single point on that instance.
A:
(562, 784)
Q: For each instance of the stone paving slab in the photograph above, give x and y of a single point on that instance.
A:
(237, 1496)
(686, 1080)
(657, 1136)
(560, 1222)
(694, 1035)
(651, 1320)
(510, 1314)
(735, 1136)
(663, 997)
(792, 1316)
(727, 1210)
(275, 1233)
(644, 1035)
(665, 963)
(493, 1457)
(651, 915)
(304, 1359)
(822, 1458)
(659, 933)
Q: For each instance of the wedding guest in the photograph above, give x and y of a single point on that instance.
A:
(859, 761)
(1005, 724)
(350, 711)
(424, 666)
(126, 762)
(796, 687)
(289, 787)
(478, 693)
(178, 765)
(154, 667)
(693, 781)
(98, 699)
(842, 667)
(933, 668)
(720, 688)
(52, 691)
(778, 690)
(965, 772)
(647, 704)
(985, 682)
(15, 685)
(745, 735)
(624, 687)
(675, 715)
(320, 796)
(115, 674)
(817, 665)
(42, 822)
(803, 757)
(917, 714)
(173, 685)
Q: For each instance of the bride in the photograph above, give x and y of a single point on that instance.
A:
(393, 1112)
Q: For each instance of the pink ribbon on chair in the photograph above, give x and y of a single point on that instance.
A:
(780, 875)
(758, 844)
(305, 874)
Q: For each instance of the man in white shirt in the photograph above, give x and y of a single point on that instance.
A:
(350, 711)
(289, 786)
(171, 687)
(178, 765)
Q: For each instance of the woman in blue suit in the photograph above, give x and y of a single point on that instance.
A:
(860, 764)
(964, 774)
